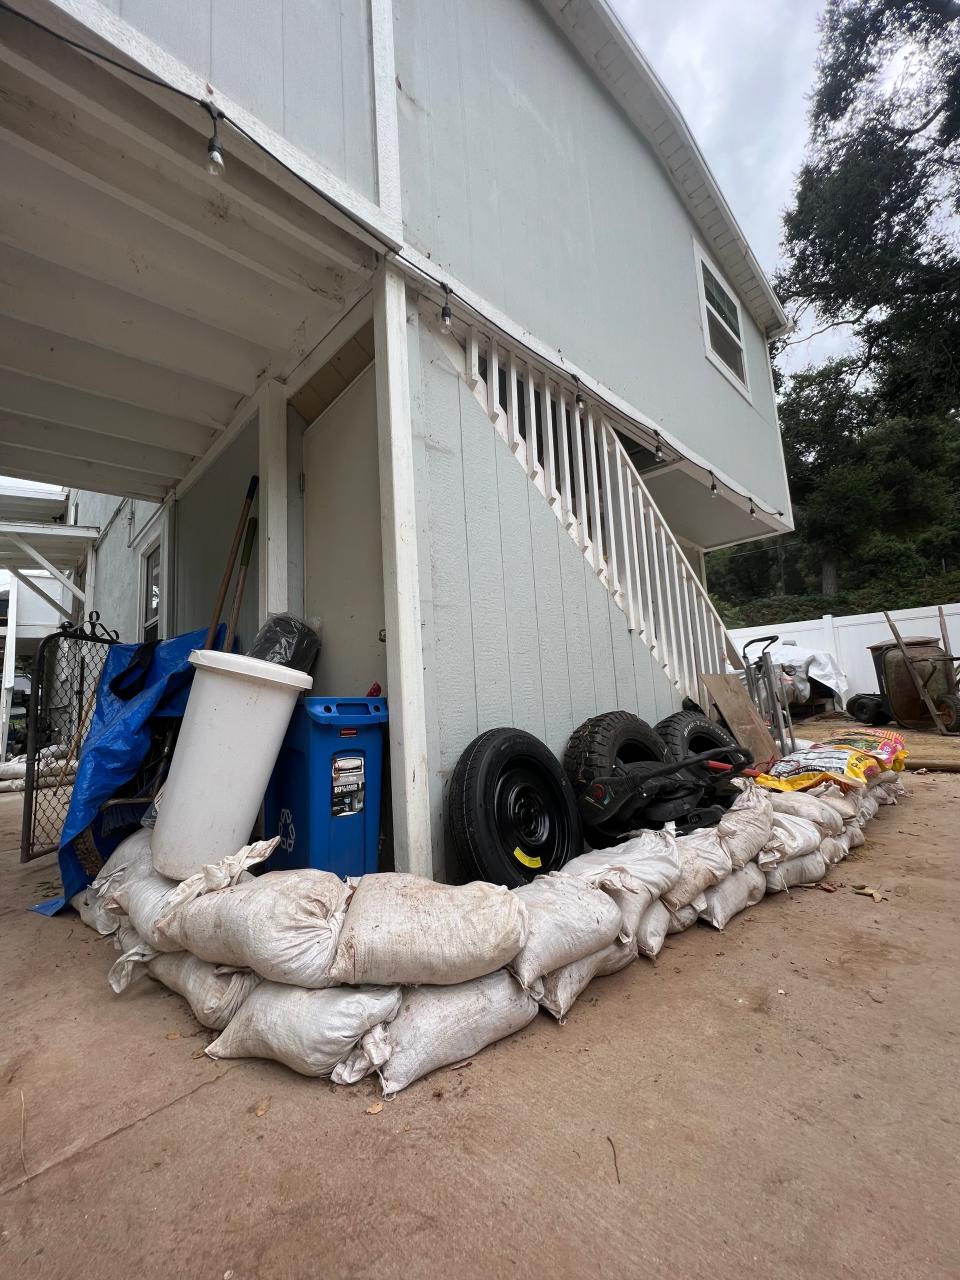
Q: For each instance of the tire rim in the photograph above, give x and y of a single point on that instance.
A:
(529, 816)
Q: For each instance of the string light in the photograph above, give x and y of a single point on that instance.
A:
(446, 315)
(753, 510)
(713, 485)
(578, 399)
(658, 451)
(215, 163)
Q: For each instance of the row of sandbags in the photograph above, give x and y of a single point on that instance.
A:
(399, 975)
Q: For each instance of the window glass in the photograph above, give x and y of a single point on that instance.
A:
(151, 595)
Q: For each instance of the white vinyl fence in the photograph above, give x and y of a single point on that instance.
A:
(847, 638)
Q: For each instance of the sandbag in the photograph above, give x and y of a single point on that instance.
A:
(807, 869)
(438, 1026)
(634, 874)
(801, 804)
(845, 802)
(307, 1030)
(146, 896)
(791, 838)
(833, 849)
(741, 889)
(562, 987)
(854, 834)
(284, 925)
(405, 929)
(868, 808)
(213, 992)
(130, 859)
(703, 862)
(659, 921)
(745, 828)
(567, 920)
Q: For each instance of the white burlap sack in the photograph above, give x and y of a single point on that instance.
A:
(405, 929)
(284, 925)
(854, 834)
(846, 803)
(562, 987)
(370, 1054)
(438, 1026)
(868, 807)
(703, 862)
(213, 992)
(833, 849)
(741, 889)
(659, 921)
(634, 874)
(745, 828)
(567, 919)
(807, 869)
(309, 1031)
(127, 861)
(886, 793)
(801, 804)
(791, 838)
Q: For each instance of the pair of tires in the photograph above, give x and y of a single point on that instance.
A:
(513, 808)
(872, 709)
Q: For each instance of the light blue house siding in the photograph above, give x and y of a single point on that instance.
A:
(523, 178)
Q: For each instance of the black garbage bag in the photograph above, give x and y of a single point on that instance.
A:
(287, 641)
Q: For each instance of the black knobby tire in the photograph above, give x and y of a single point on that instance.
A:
(948, 709)
(688, 733)
(867, 708)
(513, 815)
(600, 746)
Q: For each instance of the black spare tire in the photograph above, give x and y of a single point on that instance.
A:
(512, 811)
(688, 733)
(603, 746)
(868, 708)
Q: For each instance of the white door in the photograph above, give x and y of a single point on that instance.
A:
(343, 561)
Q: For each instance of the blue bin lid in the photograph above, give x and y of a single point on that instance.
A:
(352, 713)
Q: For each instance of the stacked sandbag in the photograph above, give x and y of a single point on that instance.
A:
(562, 987)
(213, 992)
(659, 922)
(567, 920)
(792, 855)
(438, 1027)
(406, 929)
(634, 874)
(285, 926)
(147, 898)
(126, 862)
(740, 889)
(704, 862)
(309, 1030)
(746, 826)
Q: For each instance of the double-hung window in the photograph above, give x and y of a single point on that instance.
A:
(722, 326)
(150, 594)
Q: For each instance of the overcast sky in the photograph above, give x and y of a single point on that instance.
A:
(741, 72)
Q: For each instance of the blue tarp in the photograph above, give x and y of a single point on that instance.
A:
(118, 739)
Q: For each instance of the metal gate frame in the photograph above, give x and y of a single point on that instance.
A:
(66, 674)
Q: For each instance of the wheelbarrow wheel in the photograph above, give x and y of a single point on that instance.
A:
(948, 709)
(512, 811)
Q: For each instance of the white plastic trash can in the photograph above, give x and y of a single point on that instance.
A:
(237, 714)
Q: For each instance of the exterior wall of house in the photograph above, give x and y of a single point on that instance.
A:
(206, 518)
(517, 630)
(303, 67)
(116, 591)
(522, 177)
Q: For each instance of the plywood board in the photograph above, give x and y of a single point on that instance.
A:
(741, 715)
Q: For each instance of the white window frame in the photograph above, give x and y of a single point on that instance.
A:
(701, 257)
(146, 551)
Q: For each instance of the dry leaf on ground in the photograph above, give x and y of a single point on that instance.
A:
(262, 1108)
(375, 1109)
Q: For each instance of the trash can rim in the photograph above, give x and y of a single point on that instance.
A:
(255, 669)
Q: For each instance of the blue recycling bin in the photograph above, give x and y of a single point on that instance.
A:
(323, 800)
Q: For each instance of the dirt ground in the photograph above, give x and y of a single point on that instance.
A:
(778, 1100)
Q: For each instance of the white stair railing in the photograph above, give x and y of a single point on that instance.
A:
(571, 452)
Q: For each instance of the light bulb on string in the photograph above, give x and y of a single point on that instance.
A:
(753, 510)
(578, 399)
(713, 485)
(446, 315)
(215, 161)
(658, 451)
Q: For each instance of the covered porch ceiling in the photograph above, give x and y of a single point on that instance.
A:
(143, 302)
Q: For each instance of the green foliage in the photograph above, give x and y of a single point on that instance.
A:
(872, 442)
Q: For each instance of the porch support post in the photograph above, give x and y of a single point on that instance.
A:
(9, 667)
(401, 580)
(272, 504)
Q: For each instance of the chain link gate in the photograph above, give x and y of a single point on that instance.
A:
(66, 673)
